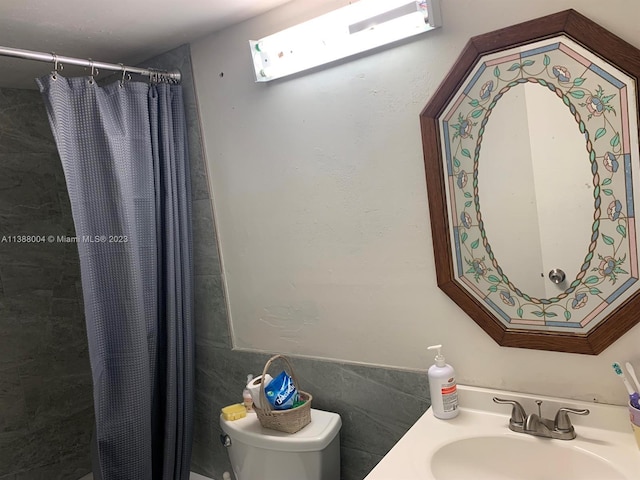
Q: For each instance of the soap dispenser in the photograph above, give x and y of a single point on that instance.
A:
(443, 388)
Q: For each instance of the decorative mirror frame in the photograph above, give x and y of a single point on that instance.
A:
(599, 42)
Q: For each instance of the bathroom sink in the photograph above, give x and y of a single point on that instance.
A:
(478, 445)
(508, 457)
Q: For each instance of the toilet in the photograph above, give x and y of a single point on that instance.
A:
(258, 453)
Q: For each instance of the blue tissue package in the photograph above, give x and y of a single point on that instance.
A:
(281, 392)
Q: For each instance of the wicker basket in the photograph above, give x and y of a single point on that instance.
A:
(291, 420)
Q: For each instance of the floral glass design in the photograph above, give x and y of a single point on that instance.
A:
(600, 100)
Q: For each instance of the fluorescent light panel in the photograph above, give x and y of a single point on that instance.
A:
(350, 30)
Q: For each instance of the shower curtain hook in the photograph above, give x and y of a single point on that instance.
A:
(125, 76)
(154, 77)
(57, 67)
(94, 72)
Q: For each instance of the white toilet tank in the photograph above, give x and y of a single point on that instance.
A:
(258, 453)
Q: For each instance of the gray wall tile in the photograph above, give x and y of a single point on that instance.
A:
(46, 407)
(23, 125)
(205, 247)
(211, 318)
(12, 400)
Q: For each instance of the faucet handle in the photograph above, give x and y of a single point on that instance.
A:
(562, 423)
(518, 414)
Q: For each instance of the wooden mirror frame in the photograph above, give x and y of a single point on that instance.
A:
(603, 44)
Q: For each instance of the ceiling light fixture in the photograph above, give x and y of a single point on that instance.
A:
(356, 28)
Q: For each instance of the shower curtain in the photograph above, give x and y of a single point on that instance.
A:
(124, 155)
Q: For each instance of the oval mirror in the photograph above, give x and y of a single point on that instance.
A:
(531, 161)
(536, 189)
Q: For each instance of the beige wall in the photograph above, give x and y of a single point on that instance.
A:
(320, 202)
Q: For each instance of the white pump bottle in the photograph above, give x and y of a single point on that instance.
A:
(443, 387)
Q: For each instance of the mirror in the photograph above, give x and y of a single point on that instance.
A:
(532, 161)
(531, 133)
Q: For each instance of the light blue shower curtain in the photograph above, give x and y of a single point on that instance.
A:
(124, 154)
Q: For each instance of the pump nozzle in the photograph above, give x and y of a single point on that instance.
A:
(439, 357)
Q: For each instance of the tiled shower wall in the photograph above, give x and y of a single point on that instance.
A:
(377, 405)
(46, 407)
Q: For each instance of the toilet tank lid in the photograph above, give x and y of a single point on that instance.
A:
(316, 436)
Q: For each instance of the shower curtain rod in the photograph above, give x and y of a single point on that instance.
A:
(60, 59)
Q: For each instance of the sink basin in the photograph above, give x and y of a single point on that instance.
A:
(507, 457)
(478, 445)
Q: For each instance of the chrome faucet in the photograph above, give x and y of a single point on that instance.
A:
(535, 424)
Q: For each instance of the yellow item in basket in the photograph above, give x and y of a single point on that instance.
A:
(234, 412)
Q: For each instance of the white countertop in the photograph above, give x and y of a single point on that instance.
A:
(604, 436)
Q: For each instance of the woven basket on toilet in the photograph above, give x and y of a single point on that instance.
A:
(291, 420)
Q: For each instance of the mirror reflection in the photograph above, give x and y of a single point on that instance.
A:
(535, 189)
